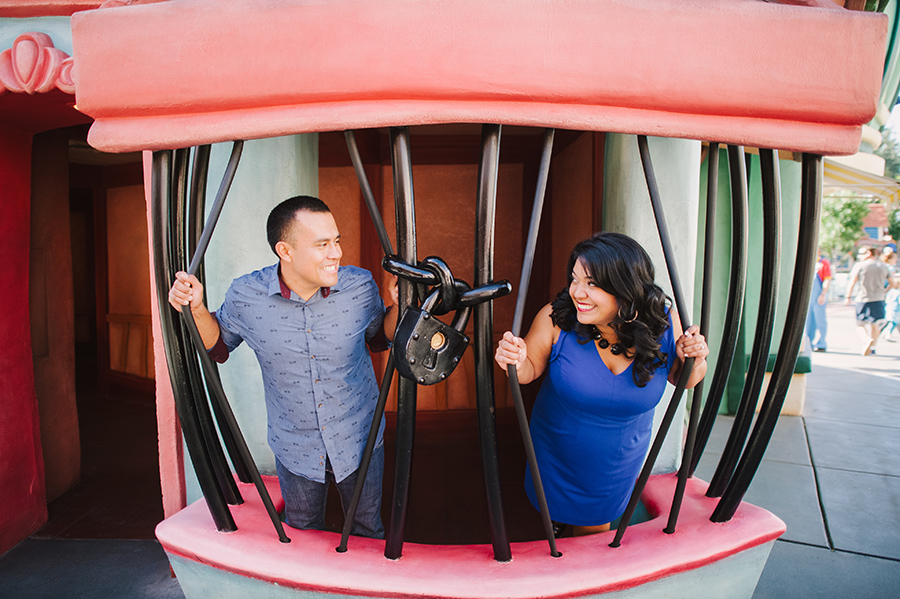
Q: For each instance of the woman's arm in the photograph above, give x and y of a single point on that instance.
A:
(530, 355)
(690, 344)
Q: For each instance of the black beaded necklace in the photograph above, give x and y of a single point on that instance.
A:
(614, 348)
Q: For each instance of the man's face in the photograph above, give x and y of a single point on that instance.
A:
(312, 253)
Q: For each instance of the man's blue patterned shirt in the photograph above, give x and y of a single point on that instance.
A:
(320, 387)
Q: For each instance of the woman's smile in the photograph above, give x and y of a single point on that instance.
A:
(583, 307)
(593, 305)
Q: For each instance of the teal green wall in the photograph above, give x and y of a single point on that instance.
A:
(58, 28)
(790, 206)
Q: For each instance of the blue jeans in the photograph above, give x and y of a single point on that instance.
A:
(304, 499)
(816, 321)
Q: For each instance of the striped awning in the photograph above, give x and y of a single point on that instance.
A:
(839, 177)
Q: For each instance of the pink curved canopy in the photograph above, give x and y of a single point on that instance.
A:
(185, 72)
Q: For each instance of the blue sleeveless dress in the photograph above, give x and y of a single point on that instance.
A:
(591, 431)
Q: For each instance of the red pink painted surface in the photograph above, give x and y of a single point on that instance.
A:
(34, 65)
(24, 507)
(754, 73)
(588, 566)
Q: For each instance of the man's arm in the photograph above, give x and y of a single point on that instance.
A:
(187, 290)
(848, 298)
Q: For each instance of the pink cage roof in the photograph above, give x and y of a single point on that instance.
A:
(186, 72)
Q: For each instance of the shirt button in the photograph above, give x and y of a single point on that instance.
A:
(317, 380)
(323, 428)
(309, 330)
(320, 405)
(312, 357)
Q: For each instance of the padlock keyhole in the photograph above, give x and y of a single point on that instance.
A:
(438, 342)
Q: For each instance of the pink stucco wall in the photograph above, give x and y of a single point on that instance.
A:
(23, 508)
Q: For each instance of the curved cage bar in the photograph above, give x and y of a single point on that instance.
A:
(228, 426)
(735, 305)
(516, 389)
(685, 470)
(163, 273)
(801, 288)
(485, 217)
(404, 206)
(771, 258)
(687, 366)
(178, 234)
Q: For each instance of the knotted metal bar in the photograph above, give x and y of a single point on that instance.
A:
(768, 293)
(161, 188)
(801, 288)
(684, 317)
(484, 315)
(404, 206)
(735, 305)
(527, 263)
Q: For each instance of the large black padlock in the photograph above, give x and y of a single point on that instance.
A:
(427, 350)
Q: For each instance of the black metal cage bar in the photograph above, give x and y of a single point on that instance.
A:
(771, 258)
(684, 471)
(684, 317)
(368, 196)
(735, 305)
(404, 204)
(228, 426)
(515, 387)
(196, 220)
(161, 181)
(178, 226)
(798, 304)
(484, 314)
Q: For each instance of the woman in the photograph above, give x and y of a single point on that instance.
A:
(610, 343)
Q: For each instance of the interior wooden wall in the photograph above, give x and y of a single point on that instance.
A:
(445, 171)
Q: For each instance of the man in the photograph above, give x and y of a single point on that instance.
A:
(815, 319)
(308, 320)
(872, 276)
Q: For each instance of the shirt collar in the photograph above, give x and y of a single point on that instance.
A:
(277, 285)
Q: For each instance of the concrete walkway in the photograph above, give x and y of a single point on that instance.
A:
(833, 475)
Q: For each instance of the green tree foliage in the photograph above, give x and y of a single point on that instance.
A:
(894, 223)
(890, 151)
(842, 221)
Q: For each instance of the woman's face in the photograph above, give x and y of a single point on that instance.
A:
(592, 304)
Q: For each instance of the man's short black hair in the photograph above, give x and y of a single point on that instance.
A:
(278, 226)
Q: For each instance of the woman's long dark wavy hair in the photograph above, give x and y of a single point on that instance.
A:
(621, 267)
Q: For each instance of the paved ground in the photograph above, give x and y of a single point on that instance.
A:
(833, 475)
